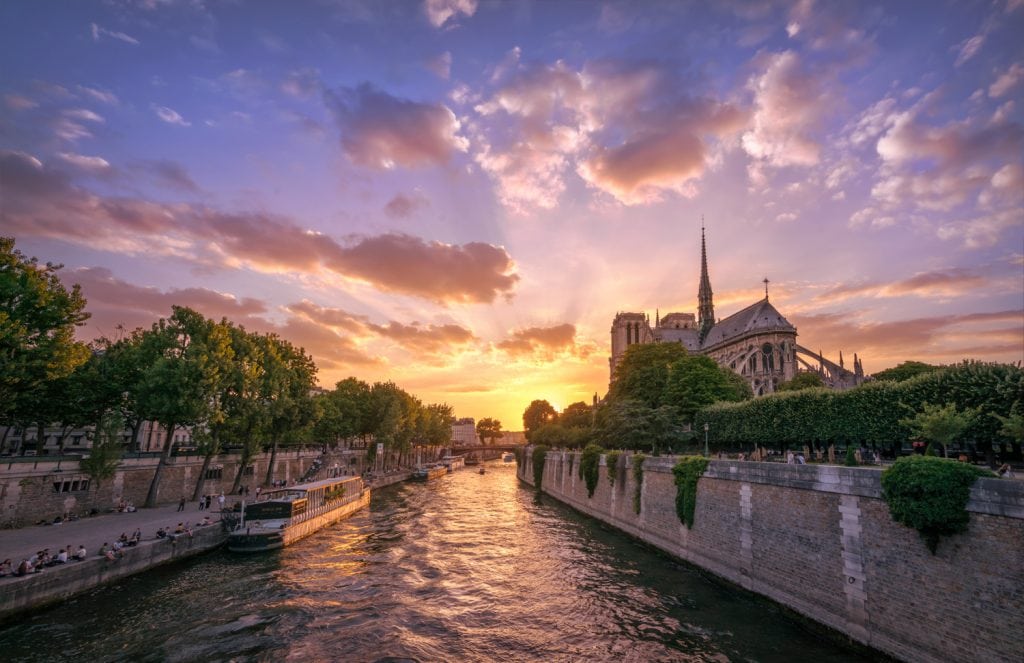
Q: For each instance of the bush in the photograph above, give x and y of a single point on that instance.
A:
(851, 457)
(930, 450)
(540, 453)
(589, 467)
(638, 480)
(930, 494)
(611, 460)
(687, 472)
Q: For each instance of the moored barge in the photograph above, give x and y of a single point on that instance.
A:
(292, 513)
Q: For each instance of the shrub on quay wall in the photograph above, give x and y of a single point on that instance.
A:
(638, 480)
(687, 472)
(590, 466)
(930, 494)
(540, 454)
(851, 457)
(611, 460)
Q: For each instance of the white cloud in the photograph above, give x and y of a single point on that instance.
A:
(440, 12)
(969, 48)
(99, 95)
(441, 65)
(83, 162)
(170, 116)
(99, 31)
(19, 102)
(789, 107)
(84, 114)
(1007, 80)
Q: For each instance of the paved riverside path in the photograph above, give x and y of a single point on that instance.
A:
(93, 531)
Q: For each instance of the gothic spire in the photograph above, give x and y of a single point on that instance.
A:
(705, 305)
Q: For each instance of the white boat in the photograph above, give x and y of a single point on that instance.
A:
(508, 457)
(292, 513)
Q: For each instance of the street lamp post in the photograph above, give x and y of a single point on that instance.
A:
(705, 440)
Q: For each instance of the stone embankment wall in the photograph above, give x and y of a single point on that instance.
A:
(819, 540)
(60, 582)
(36, 490)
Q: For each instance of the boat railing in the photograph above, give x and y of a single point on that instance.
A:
(325, 507)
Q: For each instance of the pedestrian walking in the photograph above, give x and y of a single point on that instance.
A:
(220, 501)
(202, 502)
(181, 504)
(209, 498)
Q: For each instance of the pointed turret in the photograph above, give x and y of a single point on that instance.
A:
(841, 364)
(705, 305)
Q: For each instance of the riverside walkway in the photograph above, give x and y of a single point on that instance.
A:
(94, 531)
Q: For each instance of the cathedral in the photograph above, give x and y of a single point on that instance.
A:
(756, 342)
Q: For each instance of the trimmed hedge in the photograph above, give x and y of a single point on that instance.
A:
(930, 494)
(870, 414)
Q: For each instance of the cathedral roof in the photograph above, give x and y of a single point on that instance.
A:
(760, 316)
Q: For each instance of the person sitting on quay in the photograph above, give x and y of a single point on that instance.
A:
(5, 568)
(130, 508)
(62, 556)
(104, 549)
(161, 533)
(25, 568)
(80, 553)
(136, 537)
(111, 556)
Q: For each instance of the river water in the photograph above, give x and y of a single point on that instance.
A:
(466, 568)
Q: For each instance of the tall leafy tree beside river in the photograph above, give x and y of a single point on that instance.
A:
(38, 316)
(537, 414)
(291, 377)
(190, 359)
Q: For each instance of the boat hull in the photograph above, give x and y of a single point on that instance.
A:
(251, 540)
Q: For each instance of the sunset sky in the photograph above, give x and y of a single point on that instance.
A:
(459, 195)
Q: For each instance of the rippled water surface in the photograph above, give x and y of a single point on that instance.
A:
(466, 568)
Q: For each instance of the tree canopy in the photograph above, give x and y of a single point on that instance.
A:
(488, 429)
(905, 371)
(537, 414)
(38, 316)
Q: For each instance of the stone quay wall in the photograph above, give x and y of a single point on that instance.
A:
(819, 540)
(60, 582)
(36, 490)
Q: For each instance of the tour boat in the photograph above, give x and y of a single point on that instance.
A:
(482, 470)
(292, 513)
(508, 457)
(430, 472)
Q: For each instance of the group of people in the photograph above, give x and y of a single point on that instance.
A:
(206, 500)
(795, 459)
(182, 529)
(42, 559)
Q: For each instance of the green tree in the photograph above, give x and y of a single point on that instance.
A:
(695, 381)
(577, 415)
(1012, 428)
(940, 424)
(488, 429)
(630, 424)
(177, 388)
(553, 436)
(105, 454)
(905, 371)
(346, 411)
(643, 374)
(291, 376)
(802, 380)
(537, 414)
(38, 316)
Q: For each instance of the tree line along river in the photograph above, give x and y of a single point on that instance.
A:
(466, 568)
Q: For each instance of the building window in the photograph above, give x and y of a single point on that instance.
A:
(70, 485)
(768, 358)
(249, 471)
(214, 473)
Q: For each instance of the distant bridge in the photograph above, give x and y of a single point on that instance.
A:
(490, 447)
